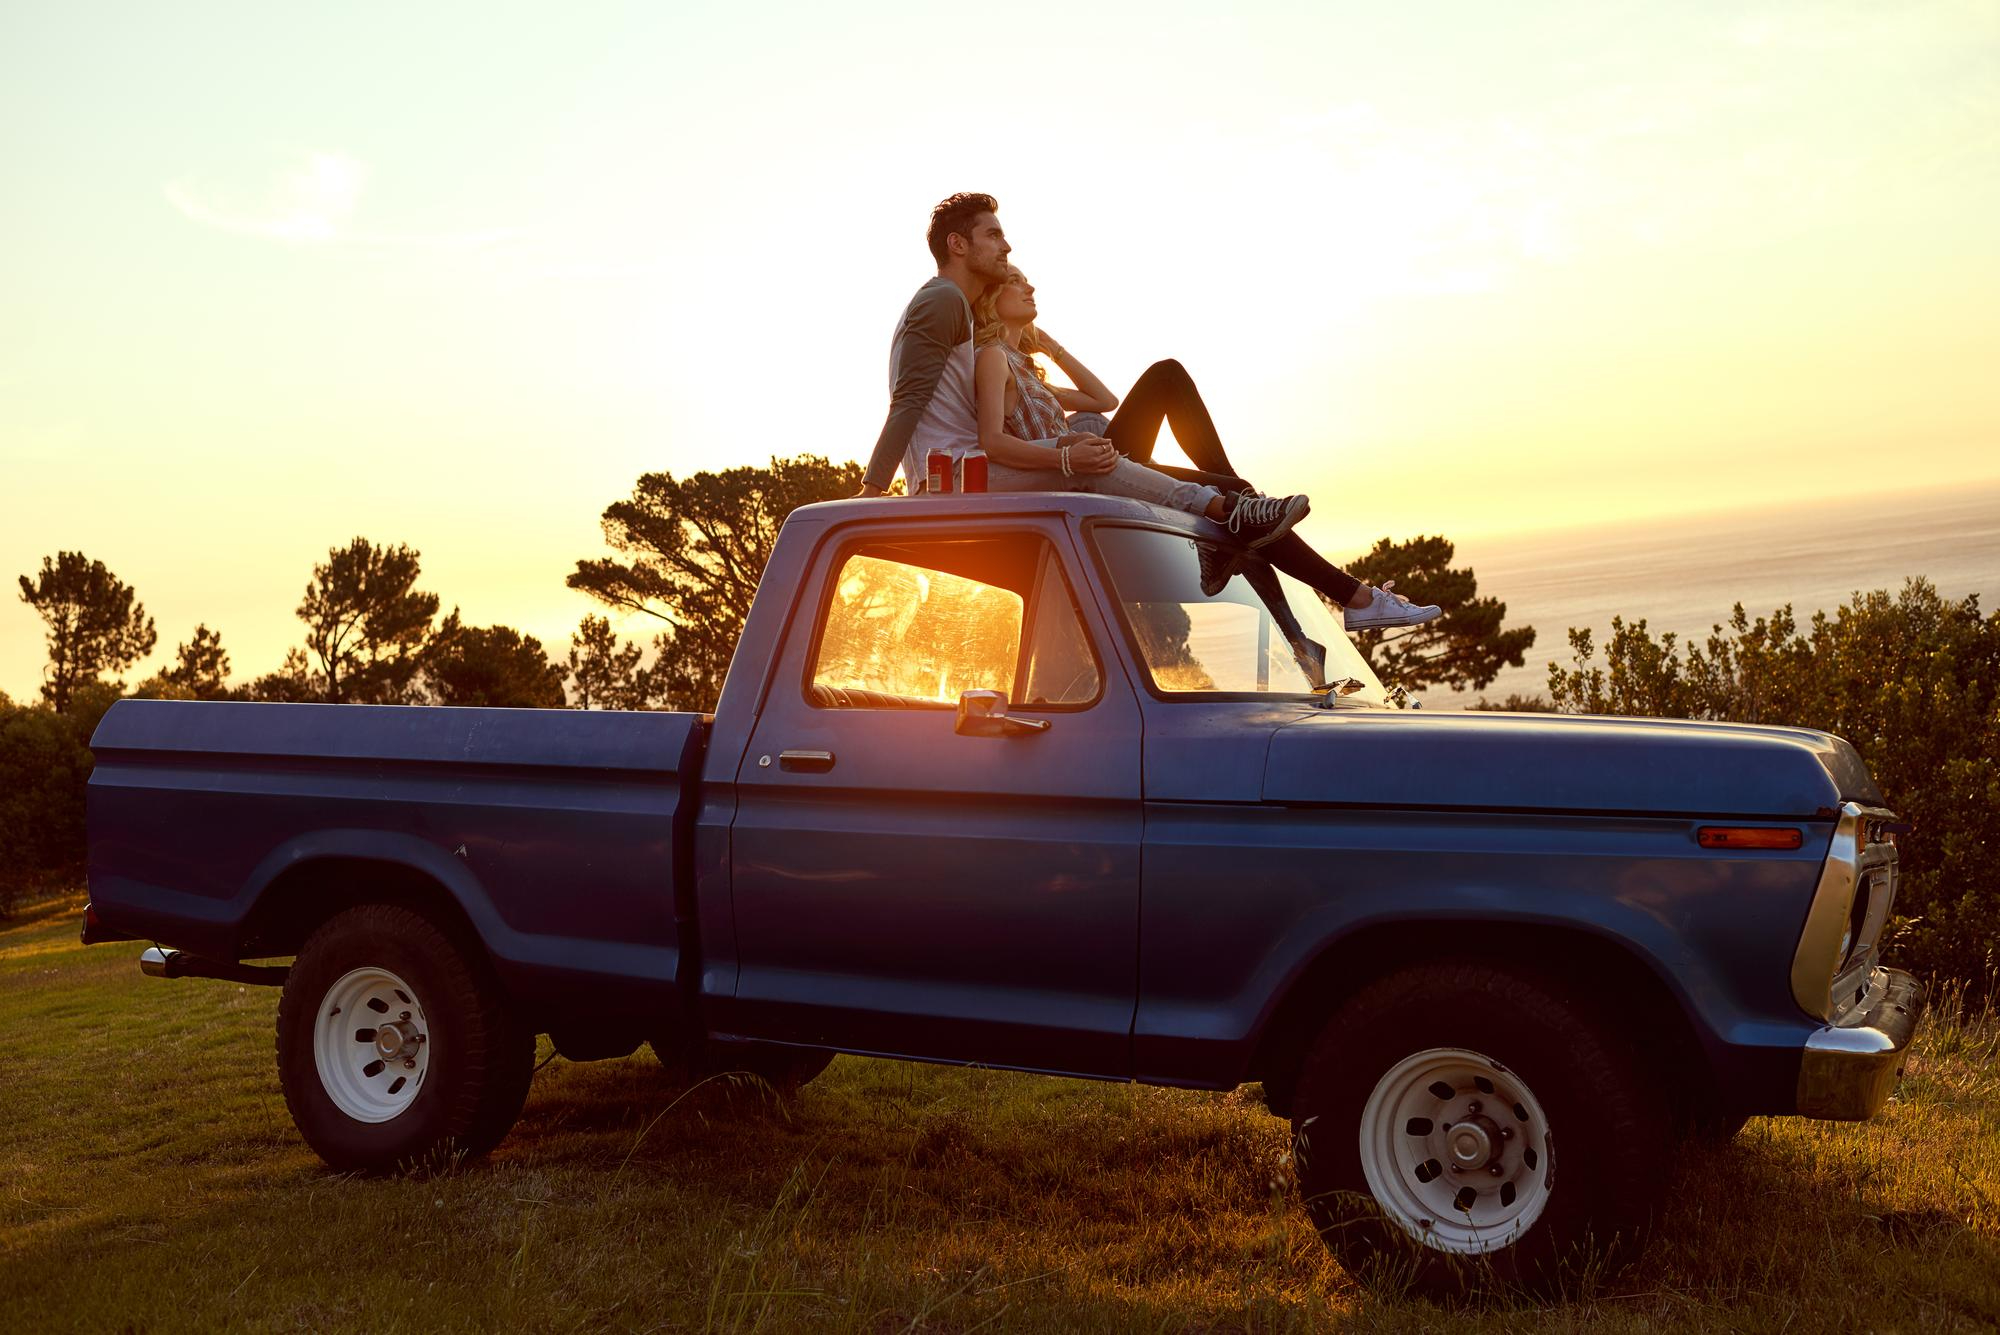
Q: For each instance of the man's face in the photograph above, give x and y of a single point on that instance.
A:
(986, 249)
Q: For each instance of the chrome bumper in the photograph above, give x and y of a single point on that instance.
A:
(1848, 1070)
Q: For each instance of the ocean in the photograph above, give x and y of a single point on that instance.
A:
(1684, 574)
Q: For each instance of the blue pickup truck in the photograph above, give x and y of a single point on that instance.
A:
(993, 780)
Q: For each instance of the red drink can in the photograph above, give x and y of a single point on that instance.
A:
(939, 483)
(972, 471)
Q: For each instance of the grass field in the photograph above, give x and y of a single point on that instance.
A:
(150, 1179)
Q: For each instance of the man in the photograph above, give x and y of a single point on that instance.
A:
(930, 362)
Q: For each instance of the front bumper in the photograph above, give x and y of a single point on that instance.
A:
(1848, 1070)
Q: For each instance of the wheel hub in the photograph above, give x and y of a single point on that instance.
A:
(1474, 1143)
(1456, 1150)
(371, 1045)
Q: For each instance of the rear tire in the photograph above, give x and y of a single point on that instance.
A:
(396, 1044)
(1426, 1132)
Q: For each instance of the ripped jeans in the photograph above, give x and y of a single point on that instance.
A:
(1127, 479)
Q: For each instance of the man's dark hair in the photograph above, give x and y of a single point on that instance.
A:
(955, 215)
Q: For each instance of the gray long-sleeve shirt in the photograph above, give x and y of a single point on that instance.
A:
(930, 386)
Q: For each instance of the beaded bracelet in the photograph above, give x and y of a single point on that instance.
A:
(1062, 457)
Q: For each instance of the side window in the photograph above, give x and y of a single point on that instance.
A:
(911, 625)
(905, 630)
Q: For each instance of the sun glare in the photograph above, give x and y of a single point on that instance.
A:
(1472, 269)
(311, 200)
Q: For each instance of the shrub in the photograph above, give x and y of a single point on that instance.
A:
(1913, 681)
(44, 767)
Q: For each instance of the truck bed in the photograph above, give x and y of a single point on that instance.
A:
(558, 835)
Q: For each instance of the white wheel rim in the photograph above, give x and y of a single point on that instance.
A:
(1446, 1122)
(372, 1044)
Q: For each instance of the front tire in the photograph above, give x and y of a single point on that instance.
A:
(395, 1043)
(1460, 1123)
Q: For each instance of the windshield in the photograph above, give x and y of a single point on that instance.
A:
(1263, 633)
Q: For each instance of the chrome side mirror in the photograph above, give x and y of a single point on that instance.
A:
(984, 714)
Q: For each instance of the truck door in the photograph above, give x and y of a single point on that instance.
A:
(903, 888)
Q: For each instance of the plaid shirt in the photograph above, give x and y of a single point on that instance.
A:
(1036, 414)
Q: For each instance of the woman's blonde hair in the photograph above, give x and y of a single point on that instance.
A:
(988, 329)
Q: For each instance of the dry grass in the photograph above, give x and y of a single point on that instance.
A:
(151, 1179)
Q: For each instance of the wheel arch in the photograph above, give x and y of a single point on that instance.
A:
(302, 896)
(1592, 963)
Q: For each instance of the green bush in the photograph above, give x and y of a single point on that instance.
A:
(1913, 681)
(44, 767)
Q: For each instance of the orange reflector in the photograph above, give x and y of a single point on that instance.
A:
(1746, 836)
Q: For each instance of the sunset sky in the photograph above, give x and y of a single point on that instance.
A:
(456, 274)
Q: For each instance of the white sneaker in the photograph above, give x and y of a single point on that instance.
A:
(1387, 608)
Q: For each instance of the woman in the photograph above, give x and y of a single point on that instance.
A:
(1020, 412)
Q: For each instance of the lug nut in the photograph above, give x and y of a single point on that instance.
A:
(410, 1064)
(1470, 1107)
(1506, 1133)
(406, 1015)
(1495, 1170)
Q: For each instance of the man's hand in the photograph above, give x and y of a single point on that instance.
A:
(1088, 453)
(868, 489)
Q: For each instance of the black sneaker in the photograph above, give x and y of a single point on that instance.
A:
(1218, 567)
(1264, 519)
(1310, 655)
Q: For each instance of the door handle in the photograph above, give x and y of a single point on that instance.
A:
(806, 762)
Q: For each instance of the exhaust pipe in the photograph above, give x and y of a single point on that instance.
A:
(157, 963)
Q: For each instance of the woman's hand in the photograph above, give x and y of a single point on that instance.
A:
(1089, 454)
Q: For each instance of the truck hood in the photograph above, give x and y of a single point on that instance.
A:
(1550, 762)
